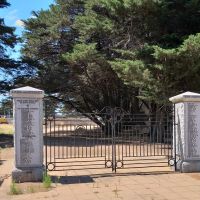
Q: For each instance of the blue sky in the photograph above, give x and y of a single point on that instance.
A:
(17, 11)
(20, 10)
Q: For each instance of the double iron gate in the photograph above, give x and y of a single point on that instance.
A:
(112, 136)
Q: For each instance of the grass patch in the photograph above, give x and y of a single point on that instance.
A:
(14, 189)
(7, 129)
(47, 181)
(27, 188)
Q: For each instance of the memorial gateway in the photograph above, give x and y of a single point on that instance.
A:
(119, 138)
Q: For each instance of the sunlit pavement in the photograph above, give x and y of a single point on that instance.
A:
(134, 183)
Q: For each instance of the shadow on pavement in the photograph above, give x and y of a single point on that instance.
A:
(1, 181)
(71, 179)
(89, 179)
(153, 173)
(1, 161)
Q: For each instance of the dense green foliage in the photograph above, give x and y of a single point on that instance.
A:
(71, 72)
(96, 53)
(7, 42)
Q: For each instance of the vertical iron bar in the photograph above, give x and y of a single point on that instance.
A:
(136, 139)
(70, 144)
(113, 164)
(50, 139)
(125, 141)
(96, 140)
(150, 136)
(75, 143)
(157, 140)
(140, 143)
(118, 146)
(101, 140)
(90, 144)
(78, 142)
(174, 124)
(67, 139)
(132, 131)
(64, 140)
(129, 137)
(154, 138)
(105, 138)
(165, 134)
(81, 139)
(121, 139)
(54, 142)
(108, 140)
(46, 142)
(168, 136)
(93, 142)
(113, 142)
(143, 153)
(86, 144)
(147, 140)
(57, 128)
(161, 136)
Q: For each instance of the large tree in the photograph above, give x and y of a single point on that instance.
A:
(142, 41)
(7, 42)
(69, 71)
(96, 53)
(161, 67)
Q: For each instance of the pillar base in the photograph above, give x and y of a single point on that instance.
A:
(178, 166)
(190, 166)
(20, 175)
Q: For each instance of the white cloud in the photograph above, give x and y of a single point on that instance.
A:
(33, 17)
(19, 23)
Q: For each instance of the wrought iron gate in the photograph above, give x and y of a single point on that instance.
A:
(111, 135)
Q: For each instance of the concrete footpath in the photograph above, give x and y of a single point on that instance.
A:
(96, 184)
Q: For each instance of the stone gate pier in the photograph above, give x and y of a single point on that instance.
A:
(186, 134)
(28, 137)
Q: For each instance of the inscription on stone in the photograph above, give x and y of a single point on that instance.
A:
(28, 113)
(193, 130)
(26, 150)
(26, 122)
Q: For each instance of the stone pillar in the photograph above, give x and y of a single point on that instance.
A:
(186, 140)
(28, 137)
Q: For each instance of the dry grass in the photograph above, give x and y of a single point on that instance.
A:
(6, 129)
(26, 188)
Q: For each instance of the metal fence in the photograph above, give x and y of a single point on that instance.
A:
(111, 136)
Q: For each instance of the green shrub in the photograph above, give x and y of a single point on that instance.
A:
(47, 181)
(14, 190)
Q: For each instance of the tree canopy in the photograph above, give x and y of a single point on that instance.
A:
(71, 72)
(90, 54)
(7, 41)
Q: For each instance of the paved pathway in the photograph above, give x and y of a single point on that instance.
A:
(97, 184)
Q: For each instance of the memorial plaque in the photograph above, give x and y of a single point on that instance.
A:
(193, 130)
(28, 138)
(28, 130)
(187, 122)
